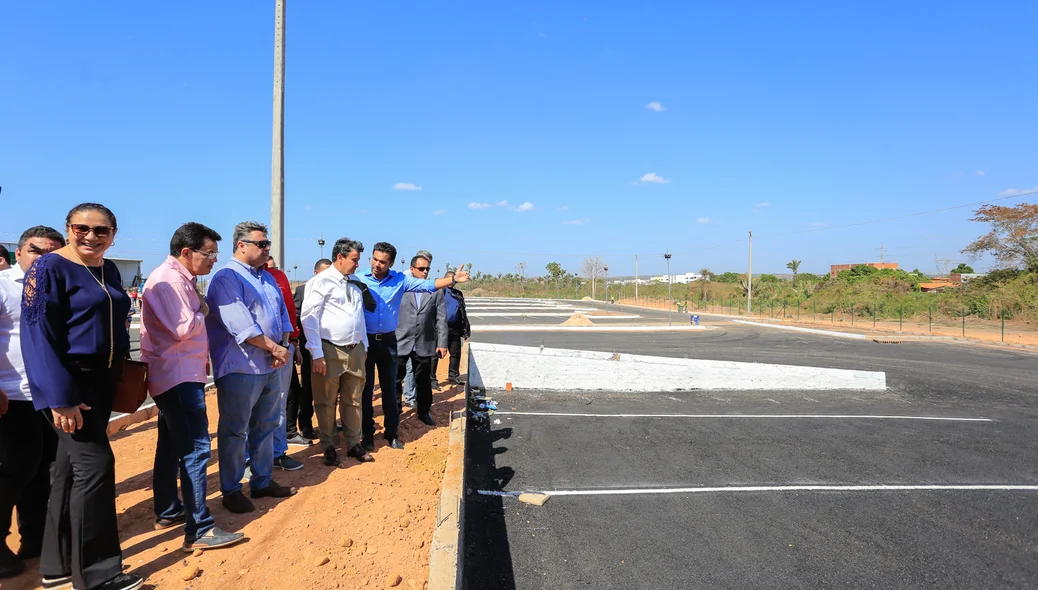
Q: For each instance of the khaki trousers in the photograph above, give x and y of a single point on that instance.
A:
(343, 380)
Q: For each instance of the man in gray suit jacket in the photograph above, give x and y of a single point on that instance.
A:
(421, 335)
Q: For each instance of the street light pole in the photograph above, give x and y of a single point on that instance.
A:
(606, 269)
(669, 278)
(320, 242)
(277, 175)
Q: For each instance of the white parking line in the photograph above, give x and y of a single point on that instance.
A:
(791, 488)
(752, 416)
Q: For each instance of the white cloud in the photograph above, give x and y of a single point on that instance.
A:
(479, 205)
(502, 203)
(439, 212)
(406, 186)
(653, 178)
(527, 206)
(580, 221)
(761, 205)
(307, 207)
(655, 106)
(702, 220)
(563, 208)
(980, 173)
(1012, 192)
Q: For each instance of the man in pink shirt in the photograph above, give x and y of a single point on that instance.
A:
(176, 348)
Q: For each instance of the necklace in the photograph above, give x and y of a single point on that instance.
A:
(101, 283)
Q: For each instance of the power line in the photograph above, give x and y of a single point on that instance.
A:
(821, 229)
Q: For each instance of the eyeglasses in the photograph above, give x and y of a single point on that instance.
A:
(82, 230)
(261, 244)
(210, 255)
(422, 268)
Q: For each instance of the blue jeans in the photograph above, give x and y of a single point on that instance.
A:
(183, 449)
(409, 391)
(281, 432)
(248, 415)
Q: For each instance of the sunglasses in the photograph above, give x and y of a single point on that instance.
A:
(82, 230)
(261, 244)
(210, 255)
(422, 268)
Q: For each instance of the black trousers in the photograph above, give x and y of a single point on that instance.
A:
(454, 348)
(299, 407)
(422, 366)
(81, 538)
(381, 354)
(27, 447)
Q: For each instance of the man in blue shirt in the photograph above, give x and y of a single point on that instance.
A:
(388, 287)
(248, 327)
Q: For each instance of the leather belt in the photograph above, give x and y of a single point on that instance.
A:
(382, 336)
(349, 346)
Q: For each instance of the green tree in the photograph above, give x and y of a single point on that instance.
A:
(1013, 239)
(555, 272)
(728, 277)
(707, 274)
(794, 265)
(963, 268)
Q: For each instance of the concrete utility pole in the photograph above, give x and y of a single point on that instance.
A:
(669, 277)
(749, 280)
(636, 300)
(277, 174)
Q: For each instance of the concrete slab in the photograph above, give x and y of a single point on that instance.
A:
(494, 365)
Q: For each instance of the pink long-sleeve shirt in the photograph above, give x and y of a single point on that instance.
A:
(173, 337)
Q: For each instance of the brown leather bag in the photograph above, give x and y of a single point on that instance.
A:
(132, 388)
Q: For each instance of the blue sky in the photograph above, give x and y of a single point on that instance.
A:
(608, 128)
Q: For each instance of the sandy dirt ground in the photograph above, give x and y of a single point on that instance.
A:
(363, 526)
(975, 329)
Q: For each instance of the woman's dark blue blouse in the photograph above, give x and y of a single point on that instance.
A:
(65, 316)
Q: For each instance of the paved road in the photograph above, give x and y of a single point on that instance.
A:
(868, 539)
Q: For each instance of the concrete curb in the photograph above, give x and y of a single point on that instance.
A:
(599, 328)
(447, 551)
(502, 366)
(805, 330)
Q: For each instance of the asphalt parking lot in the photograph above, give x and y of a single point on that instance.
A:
(799, 482)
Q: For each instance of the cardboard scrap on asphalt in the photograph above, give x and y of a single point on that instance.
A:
(532, 498)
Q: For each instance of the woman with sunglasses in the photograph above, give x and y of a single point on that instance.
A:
(74, 341)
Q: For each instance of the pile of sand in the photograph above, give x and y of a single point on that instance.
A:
(578, 319)
(586, 298)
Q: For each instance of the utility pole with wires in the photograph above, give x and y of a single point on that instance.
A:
(882, 252)
(749, 280)
(277, 175)
(636, 300)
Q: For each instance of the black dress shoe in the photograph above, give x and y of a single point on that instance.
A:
(358, 453)
(237, 503)
(331, 458)
(309, 433)
(427, 419)
(122, 582)
(396, 444)
(368, 445)
(274, 490)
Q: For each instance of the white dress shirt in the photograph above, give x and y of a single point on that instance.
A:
(333, 310)
(13, 381)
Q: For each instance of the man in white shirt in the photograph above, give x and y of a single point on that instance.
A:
(27, 442)
(332, 319)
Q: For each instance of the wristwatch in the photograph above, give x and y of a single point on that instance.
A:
(283, 344)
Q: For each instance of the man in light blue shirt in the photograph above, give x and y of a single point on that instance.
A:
(248, 327)
(388, 287)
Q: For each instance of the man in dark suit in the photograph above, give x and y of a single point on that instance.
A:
(458, 329)
(421, 335)
(300, 405)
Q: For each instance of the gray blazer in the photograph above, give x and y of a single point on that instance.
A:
(424, 327)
